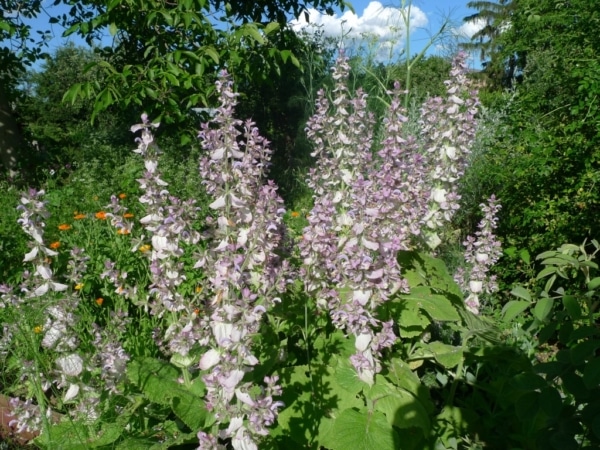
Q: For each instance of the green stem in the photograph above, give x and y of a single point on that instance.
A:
(39, 394)
(407, 53)
(458, 376)
(305, 334)
(186, 377)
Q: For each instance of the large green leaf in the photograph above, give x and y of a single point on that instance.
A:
(354, 430)
(438, 307)
(312, 394)
(572, 306)
(520, 291)
(156, 379)
(191, 410)
(513, 308)
(448, 356)
(347, 378)
(411, 321)
(401, 375)
(542, 308)
(455, 421)
(423, 269)
(401, 407)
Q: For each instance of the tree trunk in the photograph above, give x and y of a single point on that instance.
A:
(11, 140)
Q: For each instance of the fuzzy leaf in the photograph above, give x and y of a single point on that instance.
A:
(572, 306)
(422, 269)
(401, 408)
(192, 411)
(311, 394)
(438, 307)
(594, 283)
(447, 355)
(156, 379)
(545, 272)
(412, 322)
(354, 430)
(513, 308)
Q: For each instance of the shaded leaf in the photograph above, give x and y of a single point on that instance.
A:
(355, 430)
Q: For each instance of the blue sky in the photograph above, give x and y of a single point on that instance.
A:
(378, 24)
(381, 25)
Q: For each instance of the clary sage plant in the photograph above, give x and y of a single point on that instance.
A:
(373, 198)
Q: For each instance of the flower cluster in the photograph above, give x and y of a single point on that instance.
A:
(358, 222)
(71, 369)
(118, 215)
(245, 269)
(27, 417)
(110, 355)
(169, 222)
(33, 213)
(59, 329)
(481, 254)
(448, 129)
(370, 206)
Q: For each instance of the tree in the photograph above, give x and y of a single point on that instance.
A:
(496, 19)
(544, 162)
(63, 131)
(16, 52)
(166, 54)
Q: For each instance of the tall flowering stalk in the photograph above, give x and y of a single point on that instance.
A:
(169, 222)
(57, 371)
(60, 341)
(482, 252)
(356, 226)
(370, 206)
(448, 129)
(245, 272)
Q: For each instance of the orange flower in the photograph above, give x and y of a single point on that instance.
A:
(123, 231)
(101, 215)
(122, 195)
(79, 216)
(64, 227)
(128, 215)
(55, 245)
(99, 301)
(295, 214)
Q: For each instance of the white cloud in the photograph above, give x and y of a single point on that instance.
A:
(468, 29)
(385, 23)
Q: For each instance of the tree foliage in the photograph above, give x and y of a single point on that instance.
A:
(166, 55)
(18, 47)
(495, 18)
(543, 162)
(62, 130)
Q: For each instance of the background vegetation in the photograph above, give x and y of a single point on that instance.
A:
(537, 150)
